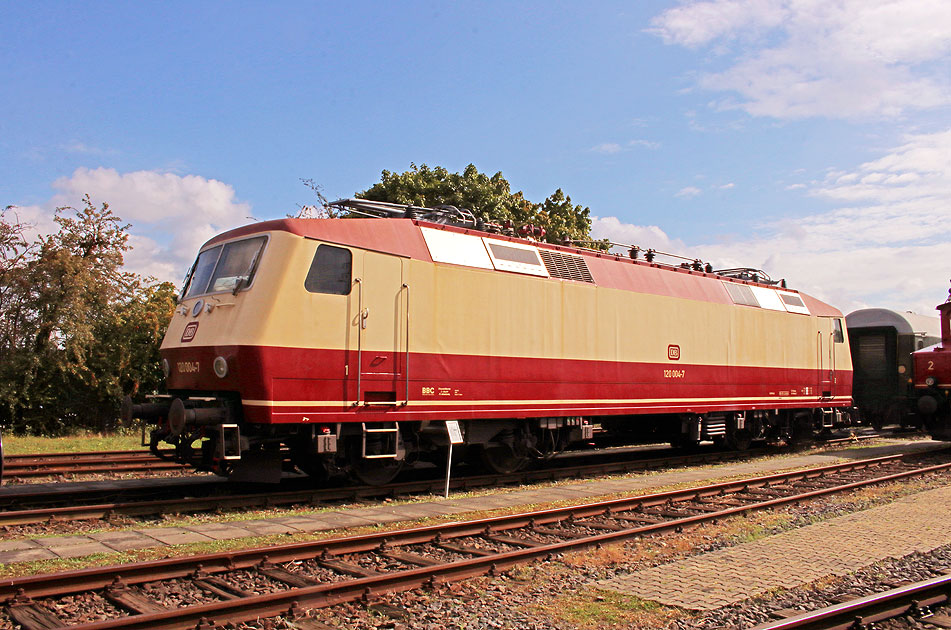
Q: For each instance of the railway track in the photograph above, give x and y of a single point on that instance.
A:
(38, 465)
(916, 599)
(42, 505)
(26, 505)
(22, 467)
(284, 580)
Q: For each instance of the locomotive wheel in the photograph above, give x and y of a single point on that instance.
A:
(683, 443)
(304, 455)
(502, 460)
(372, 472)
(739, 440)
(311, 467)
(375, 472)
(878, 421)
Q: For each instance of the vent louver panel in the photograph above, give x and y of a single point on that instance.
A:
(566, 266)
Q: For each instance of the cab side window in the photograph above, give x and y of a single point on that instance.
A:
(837, 331)
(330, 271)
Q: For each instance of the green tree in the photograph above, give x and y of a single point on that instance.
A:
(562, 219)
(490, 198)
(77, 329)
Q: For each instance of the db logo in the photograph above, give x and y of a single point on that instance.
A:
(673, 353)
(189, 333)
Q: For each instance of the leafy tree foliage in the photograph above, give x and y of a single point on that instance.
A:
(76, 330)
(489, 198)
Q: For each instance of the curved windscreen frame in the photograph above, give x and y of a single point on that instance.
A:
(227, 267)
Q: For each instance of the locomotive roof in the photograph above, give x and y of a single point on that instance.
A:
(403, 237)
(906, 323)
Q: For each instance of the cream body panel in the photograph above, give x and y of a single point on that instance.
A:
(467, 311)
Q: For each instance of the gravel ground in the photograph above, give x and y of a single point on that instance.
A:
(558, 595)
(506, 603)
(872, 579)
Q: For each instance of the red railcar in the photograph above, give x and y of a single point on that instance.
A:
(933, 379)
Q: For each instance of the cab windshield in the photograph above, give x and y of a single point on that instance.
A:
(227, 267)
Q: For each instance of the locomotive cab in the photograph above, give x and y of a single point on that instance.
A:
(224, 292)
(269, 322)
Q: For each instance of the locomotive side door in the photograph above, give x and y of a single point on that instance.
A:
(379, 324)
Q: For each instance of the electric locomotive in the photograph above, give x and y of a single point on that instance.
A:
(933, 379)
(343, 346)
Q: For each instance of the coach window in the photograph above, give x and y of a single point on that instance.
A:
(837, 331)
(330, 271)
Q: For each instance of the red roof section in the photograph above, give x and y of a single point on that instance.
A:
(402, 237)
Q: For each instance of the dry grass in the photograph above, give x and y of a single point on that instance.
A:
(27, 444)
(606, 556)
(593, 609)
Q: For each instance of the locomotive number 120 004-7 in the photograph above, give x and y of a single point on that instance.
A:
(674, 373)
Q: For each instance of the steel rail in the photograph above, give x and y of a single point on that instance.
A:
(58, 464)
(291, 601)
(43, 458)
(323, 495)
(88, 579)
(863, 611)
(141, 466)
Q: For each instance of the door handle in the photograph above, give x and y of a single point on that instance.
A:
(363, 317)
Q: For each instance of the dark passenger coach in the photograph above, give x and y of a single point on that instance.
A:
(882, 342)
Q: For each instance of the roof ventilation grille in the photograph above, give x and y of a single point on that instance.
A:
(566, 266)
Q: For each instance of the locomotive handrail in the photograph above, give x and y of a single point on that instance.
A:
(832, 374)
(360, 323)
(406, 362)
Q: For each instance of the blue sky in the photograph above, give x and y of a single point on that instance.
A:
(812, 139)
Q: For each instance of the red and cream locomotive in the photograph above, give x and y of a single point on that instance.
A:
(344, 345)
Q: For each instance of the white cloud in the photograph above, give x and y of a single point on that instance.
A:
(611, 148)
(84, 149)
(644, 236)
(171, 215)
(886, 246)
(727, 186)
(688, 192)
(36, 219)
(803, 58)
(647, 144)
(607, 148)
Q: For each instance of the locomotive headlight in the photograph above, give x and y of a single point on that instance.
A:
(166, 368)
(930, 381)
(221, 367)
